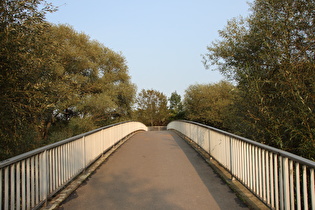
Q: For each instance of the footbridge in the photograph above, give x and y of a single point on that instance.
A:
(187, 166)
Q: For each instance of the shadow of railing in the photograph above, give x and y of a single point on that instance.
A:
(280, 179)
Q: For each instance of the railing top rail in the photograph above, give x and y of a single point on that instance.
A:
(274, 150)
(17, 158)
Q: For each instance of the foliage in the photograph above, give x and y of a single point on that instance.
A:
(152, 108)
(54, 80)
(271, 57)
(23, 53)
(176, 107)
(208, 103)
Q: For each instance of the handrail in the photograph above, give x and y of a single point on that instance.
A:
(47, 147)
(292, 156)
(280, 179)
(29, 179)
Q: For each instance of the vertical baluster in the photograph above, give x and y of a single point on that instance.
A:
(240, 160)
(45, 172)
(6, 187)
(28, 184)
(70, 160)
(286, 183)
(272, 178)
(12, 186)
(36, 178)
(305, 196)
(231, 160)
(247, 165)
(267, 192)
(53, 170)
(276, 175)
(71, 155)
(297, 186)
(256, 172)
(60, 156)
(23, 185)
(74, 159)
(51, 165)
(251, 176)
(62, 163)
(260, 173)
(236, 157)
(48, 172)
(32, 178)
(18, 186)
(42, 175)
(263, 165)
(83, 151)
(244, 160)
(66, 162)
(291, 175)
(209, 143)
(56, 168)
(281, 182)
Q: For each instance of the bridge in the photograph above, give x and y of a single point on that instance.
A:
(187, 166)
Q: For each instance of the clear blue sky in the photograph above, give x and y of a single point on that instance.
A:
(162, 40)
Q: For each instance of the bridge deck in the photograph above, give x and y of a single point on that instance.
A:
(154, 170)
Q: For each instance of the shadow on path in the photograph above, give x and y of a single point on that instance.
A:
(211, 180)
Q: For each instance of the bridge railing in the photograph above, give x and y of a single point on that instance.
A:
(28, 180)
(280, 179)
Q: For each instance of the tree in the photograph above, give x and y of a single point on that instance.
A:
(176, 107)
(208, 103)
(271, 57)
(22, 50)
(96, 84)
(53, 79)
(152, 107)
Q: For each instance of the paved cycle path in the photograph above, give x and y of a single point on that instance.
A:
(154, 170)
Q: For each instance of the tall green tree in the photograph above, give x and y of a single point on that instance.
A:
(271, 56)
(176, 106)
(22, 62)
(53, 78)
(95, 85)
(152, 108)
(207, 103)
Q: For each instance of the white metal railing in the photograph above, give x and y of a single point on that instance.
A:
(28, 180)
(280, 179)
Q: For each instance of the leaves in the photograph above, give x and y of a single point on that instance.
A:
(52, 75)
(271, 57)
(208, 103)
(152, 107)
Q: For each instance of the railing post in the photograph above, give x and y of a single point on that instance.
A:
(47, 175)
(298, 187)
(84, 154)
(46, 171)
(305, 196)
(231, 159)
(286, 189)
(209, 137)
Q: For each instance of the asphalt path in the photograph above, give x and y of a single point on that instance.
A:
(154, 170)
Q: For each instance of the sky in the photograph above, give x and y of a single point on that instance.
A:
(162, 40)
